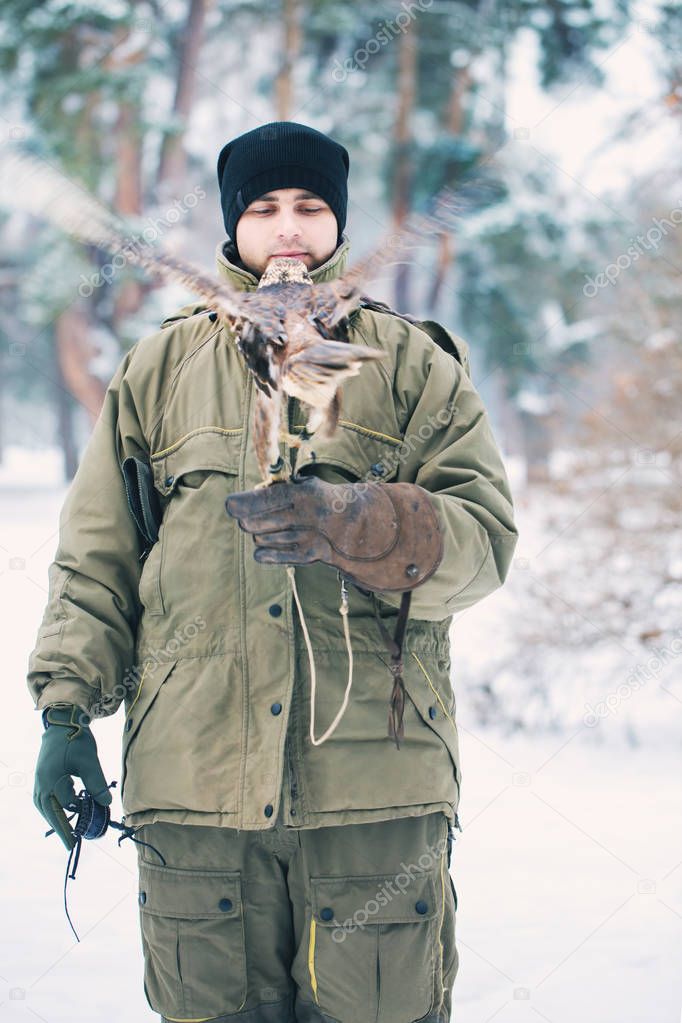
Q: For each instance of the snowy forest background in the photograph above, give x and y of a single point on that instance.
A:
(559, 126)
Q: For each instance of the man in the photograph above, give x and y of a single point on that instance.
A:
(285, 878)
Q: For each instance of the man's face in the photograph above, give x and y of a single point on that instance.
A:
(286, 222)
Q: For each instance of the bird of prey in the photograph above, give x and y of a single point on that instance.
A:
(290, 331)
(291, 349)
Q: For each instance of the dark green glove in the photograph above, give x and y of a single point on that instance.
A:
(68, 748)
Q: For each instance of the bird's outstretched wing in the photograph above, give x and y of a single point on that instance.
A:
(30, 183)
(33, 185)
(335, 300)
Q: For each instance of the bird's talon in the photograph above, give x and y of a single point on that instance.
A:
(292, 439)
(280, 477)
(277, 473)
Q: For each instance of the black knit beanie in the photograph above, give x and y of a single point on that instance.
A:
(282, 154)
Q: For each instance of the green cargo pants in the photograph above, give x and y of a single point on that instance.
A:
(346, 924)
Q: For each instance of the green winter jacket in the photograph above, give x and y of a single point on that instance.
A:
(204, 646)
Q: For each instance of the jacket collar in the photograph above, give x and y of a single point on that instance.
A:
(231, 267)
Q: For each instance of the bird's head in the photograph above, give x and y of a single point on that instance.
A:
(285, 270)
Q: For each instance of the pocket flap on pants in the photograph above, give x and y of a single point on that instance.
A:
(379, 899)
(189, 894)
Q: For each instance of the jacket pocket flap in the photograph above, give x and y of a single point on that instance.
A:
(208, 447)
(189, 894)
(379, 899)
(435, 701)
(151, 680)
(366, 454)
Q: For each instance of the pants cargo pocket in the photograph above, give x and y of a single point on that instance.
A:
(193, 941)
(374, 946)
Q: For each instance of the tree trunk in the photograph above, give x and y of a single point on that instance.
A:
(173, 161)
(74, 351)
(63, 403)
(291, 48)
(537, 444)
(402, 175)
(444, 260)
(461, 84)
(128, 200)
(2, 406)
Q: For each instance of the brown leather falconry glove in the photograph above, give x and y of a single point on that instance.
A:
(381, 536)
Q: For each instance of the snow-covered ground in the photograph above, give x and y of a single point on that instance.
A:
(568, 870)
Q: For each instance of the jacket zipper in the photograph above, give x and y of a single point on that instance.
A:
(148, 546)
(291, 451)
(293, 789)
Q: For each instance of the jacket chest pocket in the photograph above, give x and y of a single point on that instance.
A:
(354, 452)
(192, 477)
(193, 941)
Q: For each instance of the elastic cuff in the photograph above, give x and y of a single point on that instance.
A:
(66, 690)
(70, 715)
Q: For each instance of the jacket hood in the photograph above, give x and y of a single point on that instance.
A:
(231, 267)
